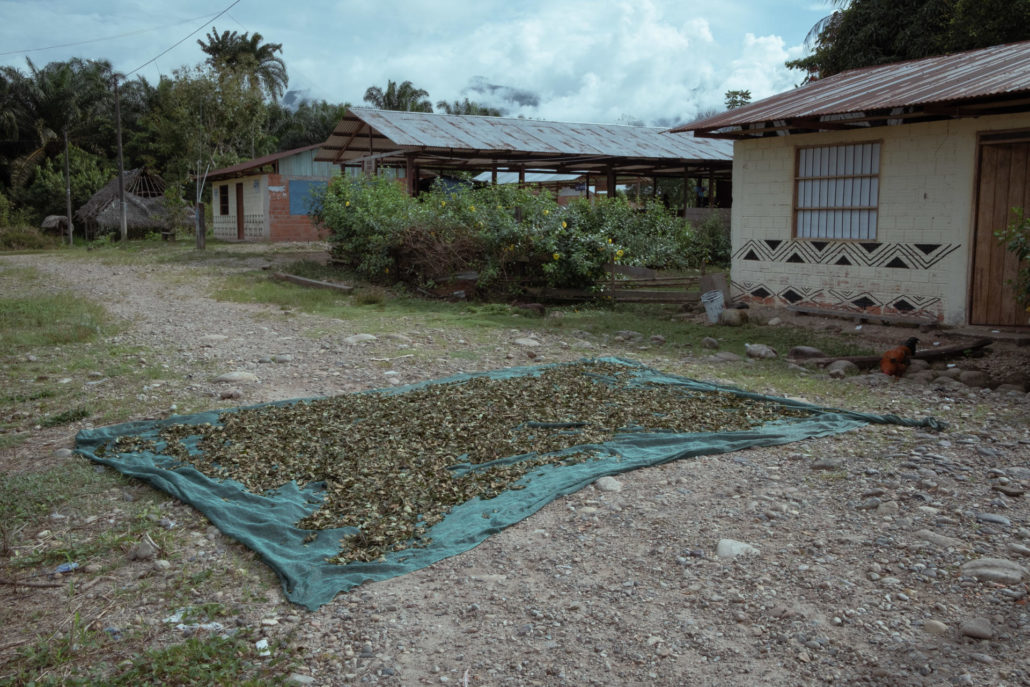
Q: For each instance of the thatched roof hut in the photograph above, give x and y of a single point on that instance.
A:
(146, 208)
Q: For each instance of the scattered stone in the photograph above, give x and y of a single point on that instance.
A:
(400, 338)
(760, 351)
(235, 377)
(995, 570)
(935, 627)
(977, 628)
(230, 394)
(839, 369)
(526, 341)
(1019, 549)
(805, 352)
(284, 358)
(975, 378)
(355, 339)
(994, 519)
(213, 338)
(657, 339)
(143, 550)
(828, 464)
(731, 548)
(1010, 490)
(161, 565)
(709, 342)
(939, 539)
(298, 679)
(64, 453)
(917, 365)
(725, 357)
(608, 483)
(628, 335)
(774, 322)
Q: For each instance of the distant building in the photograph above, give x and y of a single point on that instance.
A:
(269, 198)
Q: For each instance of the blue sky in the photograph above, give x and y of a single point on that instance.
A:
(658, 62)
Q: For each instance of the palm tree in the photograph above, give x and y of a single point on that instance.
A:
(404, 97)
(467, 107)
(246, 54)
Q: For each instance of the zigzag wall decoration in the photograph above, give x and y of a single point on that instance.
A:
(920, 256)
(843, 300)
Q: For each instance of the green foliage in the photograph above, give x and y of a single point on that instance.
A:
(88, 172)
(399, 97)
(467, 107)
(735, 99)
(23, 237)
(873, 32)
(247, 56)
(509, 237)
(1016, 236)
(707, 243)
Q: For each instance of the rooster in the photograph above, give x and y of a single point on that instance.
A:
(895, 361)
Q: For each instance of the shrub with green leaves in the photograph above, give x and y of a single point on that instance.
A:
(1016, 237)
(509, 237)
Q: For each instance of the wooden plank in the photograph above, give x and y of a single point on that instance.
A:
(304, 281)
(861, 315)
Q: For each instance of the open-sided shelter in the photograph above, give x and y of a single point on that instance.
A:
(419, 145)
(880, 190)
(269, 198)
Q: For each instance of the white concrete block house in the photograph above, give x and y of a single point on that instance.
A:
(879, 190)
(268, 198)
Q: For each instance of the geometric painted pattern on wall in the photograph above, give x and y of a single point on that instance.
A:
(916, 256)
(842, 300)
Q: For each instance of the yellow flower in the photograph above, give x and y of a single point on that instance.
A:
(557, 256)
(511, 247)
(609, 241)
(618, 254)
(547, 212)
(387, 270)
(563, 224)
(472, 208)
(443, 202)
(347, 204)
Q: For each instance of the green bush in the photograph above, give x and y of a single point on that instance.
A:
(509, 237)
(707, 243)
(1016, 237)
(21, 237)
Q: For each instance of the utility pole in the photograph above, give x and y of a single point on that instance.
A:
(121, 162)
(68, 191)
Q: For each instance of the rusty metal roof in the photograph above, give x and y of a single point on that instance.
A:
(257, 163)
(476, 142)
(987, 81)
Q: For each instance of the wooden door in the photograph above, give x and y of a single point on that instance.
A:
(239, 212)
(1004, 184)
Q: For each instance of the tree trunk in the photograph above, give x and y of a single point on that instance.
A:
(68, 191)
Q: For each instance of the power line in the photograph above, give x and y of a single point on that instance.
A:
(107, 38)
(193, 33)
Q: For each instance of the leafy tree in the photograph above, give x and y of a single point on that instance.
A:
(247, 55)
(311, 122)
(467, 107)
(863, 33)
(88, 174)
(204, 116)
(735, 99)
(403, 97)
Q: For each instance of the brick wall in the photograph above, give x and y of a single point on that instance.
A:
(282, 225)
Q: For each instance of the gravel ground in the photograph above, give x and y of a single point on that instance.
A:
(859, 569)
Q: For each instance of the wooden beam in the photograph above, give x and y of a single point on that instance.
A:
(349, 141)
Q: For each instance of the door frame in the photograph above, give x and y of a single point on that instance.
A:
(240, 225)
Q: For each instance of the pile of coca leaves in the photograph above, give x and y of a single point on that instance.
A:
(387, 458)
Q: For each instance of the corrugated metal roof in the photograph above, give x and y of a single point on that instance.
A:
(530, 177)
(997, 72)
(258, 162)
(423, 132)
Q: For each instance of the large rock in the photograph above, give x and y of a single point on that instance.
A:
(975, 378)
(805, 352)
(359, 338)
(995, 570)
(839, 369)
(760, 351)
(731, 548)
(236, 377)
(733, 317)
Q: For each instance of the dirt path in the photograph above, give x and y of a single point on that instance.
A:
(860, 538)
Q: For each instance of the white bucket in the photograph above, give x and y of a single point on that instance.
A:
(713, 305)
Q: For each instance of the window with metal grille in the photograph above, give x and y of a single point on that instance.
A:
(223, 200)
(837, 190)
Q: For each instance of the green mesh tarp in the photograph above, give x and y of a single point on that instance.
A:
(266, 522)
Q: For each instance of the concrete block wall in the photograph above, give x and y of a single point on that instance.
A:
(919, 264)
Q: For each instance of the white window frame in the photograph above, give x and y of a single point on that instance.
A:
(837, 191)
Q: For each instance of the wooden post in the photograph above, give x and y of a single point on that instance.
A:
(201, 227)
(588, 186)
(409, 175)
(123, 221)
(610, 181)
(686, 189)
(68, 191)
(493, 175)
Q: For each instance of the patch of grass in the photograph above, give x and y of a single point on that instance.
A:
(197, 661)
(30, 322)
(21, 237)
(65, 417)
